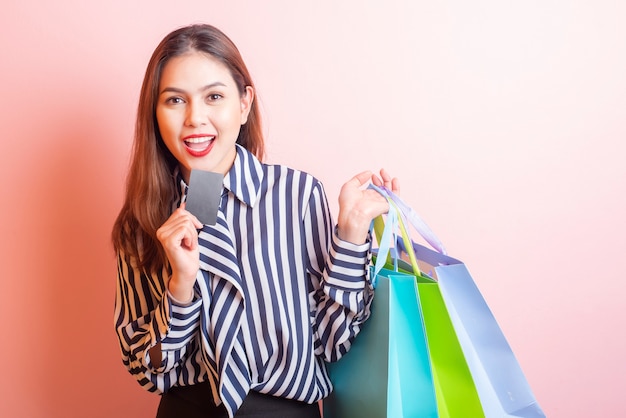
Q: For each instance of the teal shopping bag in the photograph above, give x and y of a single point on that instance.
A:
(386, 373)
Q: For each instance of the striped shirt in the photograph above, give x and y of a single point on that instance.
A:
(277, 295)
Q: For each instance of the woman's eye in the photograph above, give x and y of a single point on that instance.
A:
(174, 100)
(213, 97)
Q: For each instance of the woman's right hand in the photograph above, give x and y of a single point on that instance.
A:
(179, 238)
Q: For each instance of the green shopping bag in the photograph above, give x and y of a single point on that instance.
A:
(454, 387)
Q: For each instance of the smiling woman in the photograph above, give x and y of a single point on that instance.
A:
(237, 318)
(200, 111)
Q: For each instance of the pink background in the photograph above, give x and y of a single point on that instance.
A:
(503, 119)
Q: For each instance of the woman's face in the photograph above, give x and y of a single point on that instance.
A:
(200, 112)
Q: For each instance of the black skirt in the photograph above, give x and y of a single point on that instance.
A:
(196, 402)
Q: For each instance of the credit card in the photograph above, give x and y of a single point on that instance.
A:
(203, 197)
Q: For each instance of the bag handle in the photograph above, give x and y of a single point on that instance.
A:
(384, 229)
(398, 211)
(414, 219)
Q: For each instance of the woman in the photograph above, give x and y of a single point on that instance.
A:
(236, 318)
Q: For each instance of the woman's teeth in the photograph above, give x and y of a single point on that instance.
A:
(199, 142)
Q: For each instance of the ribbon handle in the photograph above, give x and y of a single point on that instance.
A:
(399, 213)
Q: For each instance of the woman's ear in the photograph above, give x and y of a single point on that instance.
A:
(247, 98)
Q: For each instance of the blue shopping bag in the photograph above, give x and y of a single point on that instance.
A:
(500, 381)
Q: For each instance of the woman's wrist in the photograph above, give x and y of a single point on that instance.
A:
(181, 293)
(352, 230)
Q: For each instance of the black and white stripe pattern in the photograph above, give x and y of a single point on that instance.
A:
(277, 295)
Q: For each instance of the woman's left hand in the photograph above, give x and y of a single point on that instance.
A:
(359, 205)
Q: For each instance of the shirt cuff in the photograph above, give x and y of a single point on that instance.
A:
(351, 246)
(348, 264)
(175, 324)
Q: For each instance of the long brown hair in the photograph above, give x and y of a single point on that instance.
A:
(150, 186)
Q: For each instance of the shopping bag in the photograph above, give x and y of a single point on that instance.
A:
(386, 372)
(500, 382)
(455, 390)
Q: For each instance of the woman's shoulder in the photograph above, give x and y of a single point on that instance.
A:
(289, 173)
(275, 174)
(248, 162)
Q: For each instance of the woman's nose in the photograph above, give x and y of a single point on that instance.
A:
(197, 115)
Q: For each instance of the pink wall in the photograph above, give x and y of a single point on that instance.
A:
(504, 120)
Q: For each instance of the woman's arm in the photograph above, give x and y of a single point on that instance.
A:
(154, 332)
(339, 262)
(340, 293)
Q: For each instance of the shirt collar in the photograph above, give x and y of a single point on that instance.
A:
(243, 179)
(245, 176)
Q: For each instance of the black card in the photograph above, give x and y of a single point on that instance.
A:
(203, 197)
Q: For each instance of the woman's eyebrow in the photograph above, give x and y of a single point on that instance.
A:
(179, 90)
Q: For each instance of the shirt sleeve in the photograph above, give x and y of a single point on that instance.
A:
(145, 316)
(340, 288)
